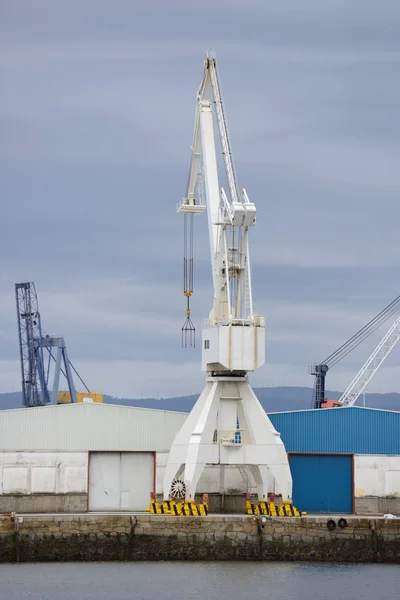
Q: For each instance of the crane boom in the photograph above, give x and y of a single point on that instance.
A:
(368, 370)
(223, 133)
(320, 370)
(229, 219)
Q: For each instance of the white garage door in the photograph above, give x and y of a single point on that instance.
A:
(120, 480)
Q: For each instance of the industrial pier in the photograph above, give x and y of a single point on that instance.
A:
(130, 537)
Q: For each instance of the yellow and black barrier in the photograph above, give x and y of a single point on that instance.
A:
(272, 510)
(180, 508)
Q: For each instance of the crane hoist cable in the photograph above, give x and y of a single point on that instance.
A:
(188, 329)
(363, 333)
(366, 335)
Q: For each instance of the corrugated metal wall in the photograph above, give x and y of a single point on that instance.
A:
(84, 427)
(352, 430)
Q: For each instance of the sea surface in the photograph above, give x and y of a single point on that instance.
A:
(195, 581)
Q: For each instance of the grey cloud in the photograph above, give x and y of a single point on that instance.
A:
(96, 120)
(311, 22)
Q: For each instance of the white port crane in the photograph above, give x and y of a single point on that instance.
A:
(368, 370)
(227, 425)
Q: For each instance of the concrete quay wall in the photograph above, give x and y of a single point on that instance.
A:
(159, 537)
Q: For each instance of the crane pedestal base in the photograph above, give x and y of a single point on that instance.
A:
(228, 426)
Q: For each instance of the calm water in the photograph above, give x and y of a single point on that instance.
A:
(195, 581)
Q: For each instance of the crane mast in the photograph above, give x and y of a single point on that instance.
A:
(34, 385)
(227, 425)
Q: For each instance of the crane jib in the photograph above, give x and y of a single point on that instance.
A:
(363, 377)
(229, 214)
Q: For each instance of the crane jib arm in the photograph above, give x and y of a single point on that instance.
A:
(368, 370)
(233, 335)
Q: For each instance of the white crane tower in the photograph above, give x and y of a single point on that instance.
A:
(227, 425)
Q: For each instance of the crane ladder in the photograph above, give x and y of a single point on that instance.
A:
(247, 476)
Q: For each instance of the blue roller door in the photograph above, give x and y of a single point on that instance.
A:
(322, 483)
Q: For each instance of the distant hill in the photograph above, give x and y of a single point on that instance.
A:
(273, 399)
(10, 400)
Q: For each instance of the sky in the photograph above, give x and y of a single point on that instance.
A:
(97, 104)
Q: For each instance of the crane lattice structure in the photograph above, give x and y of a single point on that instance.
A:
(32, 344)
(320, 370)
(227, 425)
(371, 366)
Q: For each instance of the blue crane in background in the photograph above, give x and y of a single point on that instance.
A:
(32, 344)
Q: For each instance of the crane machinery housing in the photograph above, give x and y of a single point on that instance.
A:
(357, 386)
(32, 343)
(227, 425)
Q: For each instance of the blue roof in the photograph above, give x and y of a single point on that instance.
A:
(350, 430)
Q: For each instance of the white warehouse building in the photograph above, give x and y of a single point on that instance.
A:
(89, 457)
(102, 457)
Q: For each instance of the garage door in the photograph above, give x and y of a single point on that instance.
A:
(322, 483)
(120, 481)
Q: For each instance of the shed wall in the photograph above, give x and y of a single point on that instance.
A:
(352, 430)
(43, 473)
(377, 476)
(88, 427)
